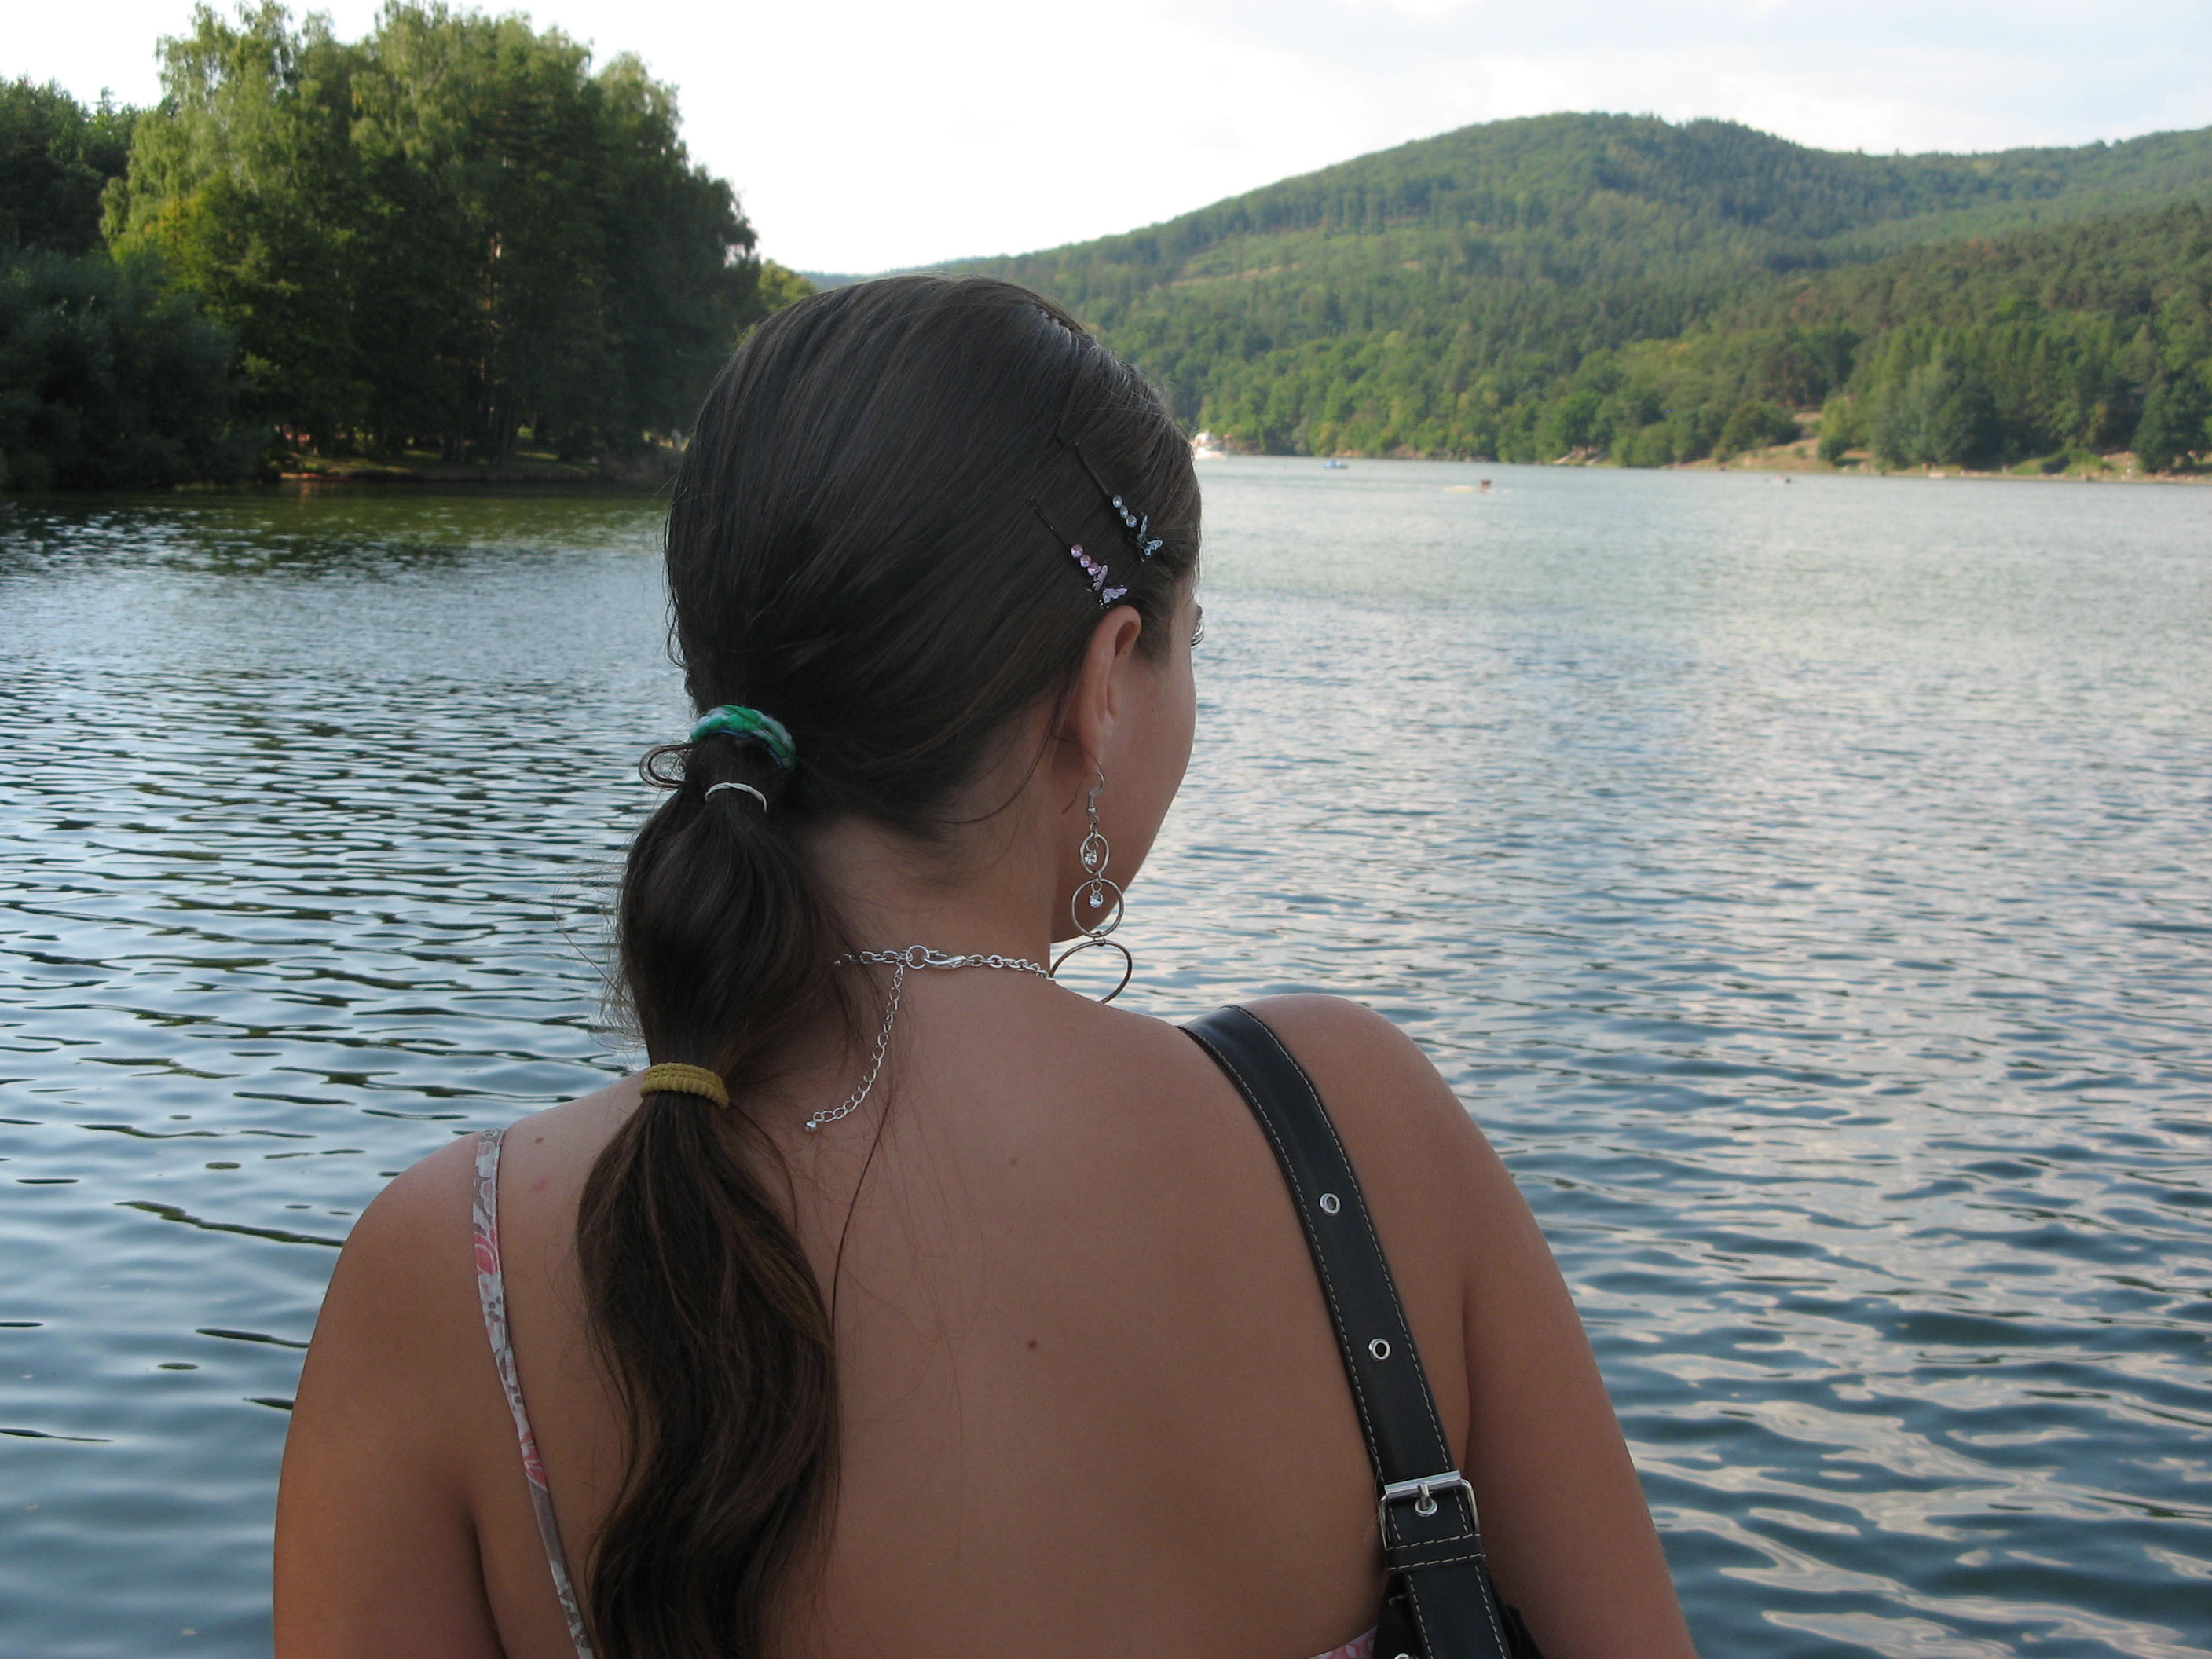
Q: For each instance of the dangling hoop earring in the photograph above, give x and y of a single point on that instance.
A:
(1102, 898)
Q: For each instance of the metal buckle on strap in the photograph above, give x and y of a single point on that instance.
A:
(1422, 1494)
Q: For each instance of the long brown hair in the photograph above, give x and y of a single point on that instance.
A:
(852, 549)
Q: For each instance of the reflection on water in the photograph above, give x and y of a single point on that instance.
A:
(1807, 888)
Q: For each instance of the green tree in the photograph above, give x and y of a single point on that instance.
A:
(449, 234)
(1897, 425)
(1569, 424)
(56, 157)
(1962, 425)
(243, 184)
(2172, 426)
(108, 381)
(779, 286)
(1840, 428)
(1754, 425)
(1939, 413)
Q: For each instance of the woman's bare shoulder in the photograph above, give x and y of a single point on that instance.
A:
(401, 1310)
(1451, 1220)
(403, 1296)
(435, 1194)
(1400, 1120)
(401, 1444)
(1337, 1034)
(412, 1205)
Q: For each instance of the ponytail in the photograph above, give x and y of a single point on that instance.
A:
(703, 1304)
(852, 549)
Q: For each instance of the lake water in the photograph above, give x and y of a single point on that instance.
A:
(1808, 888)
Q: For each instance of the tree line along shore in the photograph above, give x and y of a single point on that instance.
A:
(457, 247)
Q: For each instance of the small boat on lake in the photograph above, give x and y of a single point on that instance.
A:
(1332, 463)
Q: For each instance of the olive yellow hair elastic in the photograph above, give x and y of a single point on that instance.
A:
(683, 1080)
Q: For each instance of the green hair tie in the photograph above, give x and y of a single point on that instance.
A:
(741, 722)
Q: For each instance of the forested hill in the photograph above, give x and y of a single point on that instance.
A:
(1496, 260)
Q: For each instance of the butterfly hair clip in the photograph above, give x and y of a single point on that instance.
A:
(1138, 525)
(1095, 569)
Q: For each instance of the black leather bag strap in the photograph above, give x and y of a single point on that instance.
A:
(1439, 1603)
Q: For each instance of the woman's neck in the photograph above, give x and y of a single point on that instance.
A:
(990, 891)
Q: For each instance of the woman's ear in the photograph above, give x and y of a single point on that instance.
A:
(1100, 695)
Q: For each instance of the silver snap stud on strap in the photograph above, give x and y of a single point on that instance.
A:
(1379, 1348)
(1330, 1204)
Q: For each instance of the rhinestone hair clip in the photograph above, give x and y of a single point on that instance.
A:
(1137, 527)
(1094, 568)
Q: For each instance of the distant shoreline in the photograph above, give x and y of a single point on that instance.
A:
(1801, 458)
(1789, 459)
(645, 470)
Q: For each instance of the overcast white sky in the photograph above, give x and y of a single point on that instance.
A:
(864, 135)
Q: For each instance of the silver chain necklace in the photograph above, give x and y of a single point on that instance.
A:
(917, 956)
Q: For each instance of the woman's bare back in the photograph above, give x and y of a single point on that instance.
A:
(1091, 1402)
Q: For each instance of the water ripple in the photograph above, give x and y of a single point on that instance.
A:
(1807, 888)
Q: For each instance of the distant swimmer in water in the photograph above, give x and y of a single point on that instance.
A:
(1486, 486)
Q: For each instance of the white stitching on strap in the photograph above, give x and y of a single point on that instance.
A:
(1440, 1561)
(1367, 1220)
(1413, 1349)
(1321, 1265)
